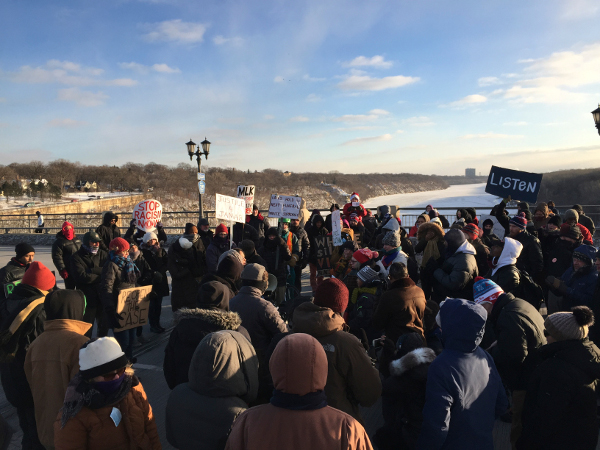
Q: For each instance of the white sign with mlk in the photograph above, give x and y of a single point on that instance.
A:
(230, 208)
(247, 193)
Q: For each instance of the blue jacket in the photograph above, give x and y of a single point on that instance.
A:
(579, 287)
(464, 391)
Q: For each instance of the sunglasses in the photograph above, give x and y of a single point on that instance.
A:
(111, 376)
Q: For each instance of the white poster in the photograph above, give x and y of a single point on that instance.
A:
(230, 208)
(247, 193)
(147, 214)
(284, 206)
(336, 228)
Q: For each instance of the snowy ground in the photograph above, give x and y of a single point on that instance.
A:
(66, 198)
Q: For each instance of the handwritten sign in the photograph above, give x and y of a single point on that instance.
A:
(230, 208)
(284, 206)
(523, 186)
(324, 246)
(133, 305)
(247, 193)
(147, 214)
(336, 228)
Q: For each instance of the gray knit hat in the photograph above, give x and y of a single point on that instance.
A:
(366, 274)
(563, 326)
(392, 239)
(571, 214)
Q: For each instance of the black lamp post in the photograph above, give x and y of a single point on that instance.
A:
(596, 114)
(195, 150)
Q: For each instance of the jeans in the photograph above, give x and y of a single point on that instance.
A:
(154, 310)
(27, 423)
(126, 339)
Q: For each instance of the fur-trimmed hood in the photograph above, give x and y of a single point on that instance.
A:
(418, 357)
(427, 227)
(225, 320)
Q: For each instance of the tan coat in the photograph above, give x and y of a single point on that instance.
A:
(51, 361)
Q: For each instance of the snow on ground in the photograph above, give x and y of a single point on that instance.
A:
(66, 198)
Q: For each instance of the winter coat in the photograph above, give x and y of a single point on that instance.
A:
(558, 255)
(519, 331)
(580, 287)
(481, 255)
(192, 325)
(587, 223)
(560, 405)
(359, 210)
(505, 274)
(107, 231)
(259, 223)
(158, 262)
(276, 265)
(455, 277)
(112, 282)
(269, 427)
(531, 259)
(401, 257)
(244, 231)
(303, 246)
(51, 361)
(62, 251)
(206, 237)
(146, 272)
(400, 310)
(352, 380)
(223, 380)
(86, 270)
(94, 429)
(217, 247)
(464, 394)
(304, 213)
(437, 240)
(186, 266)
(13, 271)
(490, 239)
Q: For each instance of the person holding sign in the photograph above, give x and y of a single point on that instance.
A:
(14, 271)
(276, 253)
(355, 206)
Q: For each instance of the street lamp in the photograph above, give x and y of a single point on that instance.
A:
(596, 114)
(195, 150)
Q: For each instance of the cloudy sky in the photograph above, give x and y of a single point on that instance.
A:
(429, 86)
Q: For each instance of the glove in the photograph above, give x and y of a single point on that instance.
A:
(553, 282)
(432, 265)
(507, 199)
(64, 274)
(159, 224)
(292, 262)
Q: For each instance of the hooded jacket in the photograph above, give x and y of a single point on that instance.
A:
(62, 251)
(186, 266)
(352, 380)
(505, 274)
(86, 269)
(276, 253)
(223, 379)
(107, 231)
(53, 358)
(464, 394)
(112, 282)
(304, 213)
(428, 248)
(216, 248)
(531, 259)
(456, 275)
(580, 287)
(269, 427)
(259, 223)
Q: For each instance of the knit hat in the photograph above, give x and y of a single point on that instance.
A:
(519, 221)
(149, 236)
(119, 244)
(248, 247)
(523, 206)
(332, 293)
(472, 231)
(366, 274)
(585, 253)
(437, 221)
(392, 239)
(91, 236)
(486, 291)
(231, 252)
(555, 220)
(571, 214)
(100, 356)
(221, 228)
(22, 248)
(454, 238)
(213, 295)
(364, 255)
(354, 216)
(563, 326)
(253, 275)
(354, 197)
(190, 228)
(569, 231)
(39, 276)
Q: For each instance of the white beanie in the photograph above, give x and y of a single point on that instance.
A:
(100, 356)
(148, 236)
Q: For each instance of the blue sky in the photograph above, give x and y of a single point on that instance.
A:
(354, 86)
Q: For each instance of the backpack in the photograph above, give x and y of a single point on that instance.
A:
(529, 290)
(360, 317)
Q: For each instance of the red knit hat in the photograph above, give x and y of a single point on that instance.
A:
(364, 254)
(333, 294)
(39, 276)
(471, 230)
(221, 229)
(119, 244)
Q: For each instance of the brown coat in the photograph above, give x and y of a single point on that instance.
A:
(400, 310)
(51, 361)
(93, 429)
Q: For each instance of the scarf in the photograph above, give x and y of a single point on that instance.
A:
(310, 401)
(93, 395)
(431, 251)
(193, 238)
(127, 265)
(92, 250)
(390, 256)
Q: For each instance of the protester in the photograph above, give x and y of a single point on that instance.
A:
(303, 215)
(360, 258)
(489, 237)
(223, 380)
(392, 252)
(541, 216)
(298, 413)
(137, 235)
(552, 207)
(14, 271)
(86, 270)
(204, 231)
(352, 379)
(315, 231)
(433, 246)
(585, 220)
(531, 259)
(354, 206)
(65, 246)
(219, 244)
(342, 266)
(560, 405)
(53, 358)
(276, 253)
(482, 252)
(40, 222)
(362, 304)
(243, 231)
(103, 394)
(186, 263)
(358, 229)
(464, 392)
(249, 249)
(327, 222)
(257, 221)
(572, 218)
(370, 224)
(421, 220)
(158, 260)
(504, 266)
(229, 269)
(108, 230)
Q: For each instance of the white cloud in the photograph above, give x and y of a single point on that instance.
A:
(82, 98)
(364, 140)
(379, 112)
(307, 77)
(579, 9)
(399, 131)
(66, 123)
(299, 119)
(515, 124)
(491, 135)
(313, 98)
(140, 68)
(367, 83)
(356, 118)
(278, 79)
(473, 99)
(419, 121)
(220, 40)
(488, 81)
(376, 61)
(176, 31)
(163, 68)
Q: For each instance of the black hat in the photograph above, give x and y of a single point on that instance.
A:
(555, 220)
(213, 295)
(203, 221)
(22, 248)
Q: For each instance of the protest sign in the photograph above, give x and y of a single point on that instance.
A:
(336, 228)
(230, 208)
(247, 193)
(133, 306)
(358, 239)
(324, 246)
(9, 287)
(523, 186)
(284, 206)
(147, 214)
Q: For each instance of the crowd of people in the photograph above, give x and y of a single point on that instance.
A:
(449, 325)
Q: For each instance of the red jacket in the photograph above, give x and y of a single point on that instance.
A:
(360, 211)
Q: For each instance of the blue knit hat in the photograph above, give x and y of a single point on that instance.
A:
(486, 291)
(519, 221)
(585, 253)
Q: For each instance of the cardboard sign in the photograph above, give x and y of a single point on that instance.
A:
(523, 186)
(336, 228)
(133, 305)
(230, 208)
(147, 214)
(324, 246)
(358, 239)
(247, 193)
(284, 206)
(9, 287)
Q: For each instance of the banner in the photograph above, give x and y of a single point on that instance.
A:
(147, 214)
(336, 228)
(284, 206)
(230, 208)
(133, 305)
(324, 246)
(522, 186)
(247, 193)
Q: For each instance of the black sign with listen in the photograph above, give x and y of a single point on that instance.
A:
(523, 186)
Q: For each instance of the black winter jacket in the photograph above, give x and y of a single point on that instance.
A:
(455, 276)
(13, 271)
(249, 232)
(112, 282)
(86, 269)
(186, 266)
(507, 277)
(312, 233)
(531, 259)
(62, 250)
(588, 223)
(107, 233)
(158, 263)
(276, 264)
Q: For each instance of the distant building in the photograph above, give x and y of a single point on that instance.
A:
(470, 173)
(287, 173)
(83, 185)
